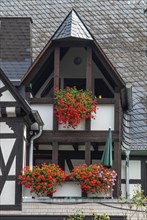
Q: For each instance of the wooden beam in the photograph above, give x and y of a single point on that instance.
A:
(56, 80)
(56, 66)
(76, 147)
(117, 145)
(55, 152)
(95, 147)
(88, 153)
(43, 100)
(48, 100)
(74, 136)
(63, 154)
(117, 168)
(88, 79)
(72, 43)
(89, 69)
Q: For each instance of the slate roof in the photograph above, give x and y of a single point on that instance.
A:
(15, 47)
(72, 26)
(119, 27)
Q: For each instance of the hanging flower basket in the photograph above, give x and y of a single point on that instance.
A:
(71, 106)
(42, 179)
(94, 178)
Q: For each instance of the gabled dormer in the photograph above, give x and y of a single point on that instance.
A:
(72, 53)
(72, 57)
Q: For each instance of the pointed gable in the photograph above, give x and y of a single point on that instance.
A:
(72, 26)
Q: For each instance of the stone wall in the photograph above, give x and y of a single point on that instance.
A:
(113, 209)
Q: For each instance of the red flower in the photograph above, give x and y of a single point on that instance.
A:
(72, 106)
(42, 179)
(93, 178)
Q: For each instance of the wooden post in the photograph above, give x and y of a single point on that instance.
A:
(56, 79)
(88, 78)
(117, 145)
(88, 153)
(55, 149)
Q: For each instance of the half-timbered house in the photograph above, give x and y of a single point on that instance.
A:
(86, 46)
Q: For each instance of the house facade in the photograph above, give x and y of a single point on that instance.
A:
(55, 47)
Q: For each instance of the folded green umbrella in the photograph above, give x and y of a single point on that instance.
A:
(107, 154)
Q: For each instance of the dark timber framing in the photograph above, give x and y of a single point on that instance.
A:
(88, 87)
(17, 126)
(87, 137)
(117, 145)
(56, 79)
(67, 137)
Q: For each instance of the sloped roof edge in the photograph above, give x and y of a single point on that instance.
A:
(23, 104)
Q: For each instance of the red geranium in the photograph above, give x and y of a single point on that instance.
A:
(73, 105)
(94, 178)
(42, 179)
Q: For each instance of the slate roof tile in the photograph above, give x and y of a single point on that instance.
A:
(119, 28)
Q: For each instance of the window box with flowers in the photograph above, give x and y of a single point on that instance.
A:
(72, 106)
(42, 180)
(95, 180)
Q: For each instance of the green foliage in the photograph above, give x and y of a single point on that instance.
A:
(104, 217)
(136, 205)
(78, 215)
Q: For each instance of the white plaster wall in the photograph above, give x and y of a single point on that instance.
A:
(6, 147)
(46, 113)
(24, 147)
(1, 84)
(104, 117)
(134, 169)
(13, 167)
(6, 96)
(123, 162)
(4, 128)
(7, 196)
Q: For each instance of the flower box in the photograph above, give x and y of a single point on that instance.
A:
(101, 195)
(79, 127)
(68, 189)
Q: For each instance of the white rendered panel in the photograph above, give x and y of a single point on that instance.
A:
(46, 113)
(1, 84)
(13, 167)
(123, 190)
(7, 196)
(104, 117)
(6, 147)
(11, 112)
(4, 128)
(7, 97)
(135, 169)
(123, 167)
